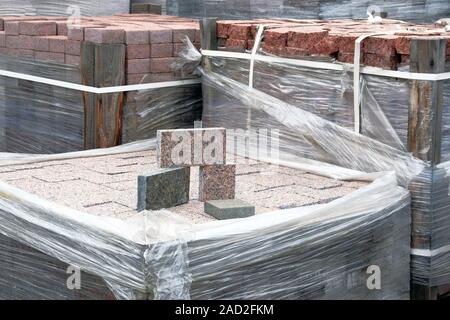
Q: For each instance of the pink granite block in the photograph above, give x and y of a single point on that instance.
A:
(11, 27)
(160, 35)
(161, 50)
(138, 66)
(57, 43)
(161, 77)
(49, 56)
(75, 33)
(71, 59)
(12, 42)
(2, 25)
(217, 182)
(180, 33)
(37, 28)
(138, 51)
(198, 36)
(177, 48)
(191, 147)
(136, 36)
(41, 44)
(26, 42)
(73, 47)
(104, 35)
(61, 28)
(2, 39)
(162, 65)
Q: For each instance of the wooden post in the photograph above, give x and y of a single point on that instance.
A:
(424, 141)
(102, 65)
(208, 31)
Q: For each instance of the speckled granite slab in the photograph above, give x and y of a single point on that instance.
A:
(163, 188)
(217, 182)
(191, 147)
(107, 185)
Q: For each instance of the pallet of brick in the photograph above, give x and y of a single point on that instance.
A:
(416, 11)
(101, 51)
(150, 254)
(69, 7)
(393, 111)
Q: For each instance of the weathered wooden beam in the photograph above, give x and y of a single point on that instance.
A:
(103, 65)
(425, 108)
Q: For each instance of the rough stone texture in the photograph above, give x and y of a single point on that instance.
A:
(163, 188)
(229, 209)
(107, 185)
(332, 38)
(206, 147)
(217, 182)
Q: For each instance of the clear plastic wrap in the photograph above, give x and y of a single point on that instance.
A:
(304, 102)
(409, 10)
(314, 252)
(40, 118)
(56, 8)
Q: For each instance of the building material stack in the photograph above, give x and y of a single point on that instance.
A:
(406, 115)
(98, 52)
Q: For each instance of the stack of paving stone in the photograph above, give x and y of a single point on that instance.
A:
(334, 38)
(152, 41)
(177, 152)
(138, 48)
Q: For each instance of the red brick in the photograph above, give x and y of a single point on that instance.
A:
(161, 77)
(49, 56)
(37, 28)
(177, 48)
(2, 26)
(161, 65)
(138, 66)
(295, 52)
(160, 35)
(306, 38)
(138, 51)
(104, 35)
(71, 59)
(25, 53)
(161, 50)
(236, 45)
(181, 32)
(240, 32)
(402, 45)
(12, 42)
(12, 27)
(61, 28)
(198, 36)
(381, 45)
(278, 51)
(380, 60)
(137, 78)
(276, 37)
(75, 33)
(2, 39)
(26, 42)
(73, 47)
(136, 36)
(57, 43)
(41, 44)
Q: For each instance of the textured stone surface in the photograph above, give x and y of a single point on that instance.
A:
(191, 147)
(217, 182)
(163, 188)
(229, 209)
(107, 186)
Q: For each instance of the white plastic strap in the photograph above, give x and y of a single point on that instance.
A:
(256, 45)
(430, 253)
(357, 79)
(83, 88)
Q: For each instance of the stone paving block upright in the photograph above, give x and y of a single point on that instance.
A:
(163, 188)
(217, 182)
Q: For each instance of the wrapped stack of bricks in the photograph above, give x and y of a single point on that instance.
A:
(332, 39)
(152, 41)
(104, 51)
